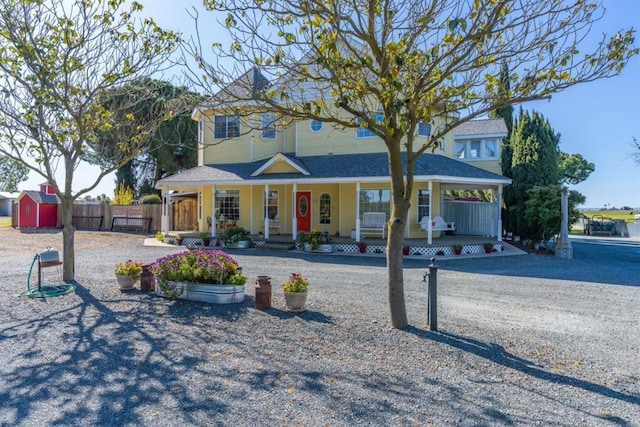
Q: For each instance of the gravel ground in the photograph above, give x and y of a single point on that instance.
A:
(523, 340)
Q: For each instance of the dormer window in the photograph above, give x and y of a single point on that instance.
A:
(226, 127)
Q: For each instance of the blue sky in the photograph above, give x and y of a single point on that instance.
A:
(597, 119)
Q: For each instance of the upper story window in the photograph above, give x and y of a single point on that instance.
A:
(476, 149)
(226, 127)
(363, 132)
(201, 131)
(268, 126)
(315, 125)
(424, 129)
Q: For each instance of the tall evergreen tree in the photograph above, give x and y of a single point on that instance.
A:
(534, 163)
(506, 112)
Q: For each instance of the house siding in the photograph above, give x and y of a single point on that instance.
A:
(334, 141)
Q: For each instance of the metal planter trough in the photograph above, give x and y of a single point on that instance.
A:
(204, 292)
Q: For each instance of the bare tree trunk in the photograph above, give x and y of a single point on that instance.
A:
(68, 231)
(396, 275)
(400, 197)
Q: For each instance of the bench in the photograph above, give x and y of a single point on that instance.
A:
(125, 223)
(275, 223)
(87, 222)
(374, 222)
(438, 224)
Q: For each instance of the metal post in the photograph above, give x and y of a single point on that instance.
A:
(432, 295)
(432, 311)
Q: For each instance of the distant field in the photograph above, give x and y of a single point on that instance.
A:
(5, 221)
(617, 214)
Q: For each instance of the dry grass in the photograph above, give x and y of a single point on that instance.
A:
(627, 216)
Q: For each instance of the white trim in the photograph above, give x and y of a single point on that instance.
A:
(278, 158)
(480, 136)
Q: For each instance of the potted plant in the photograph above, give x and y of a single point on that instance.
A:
(318, 241)
(178, 240)
(236, 236)
(457, 248)
(128, 273)
(488, 247)
(362, 247)
(406, 250)
(302, 240)
(295, 292)
(160, 236)
(199, 275)
(206, 238)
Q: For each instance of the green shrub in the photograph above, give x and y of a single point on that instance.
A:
(150, 199)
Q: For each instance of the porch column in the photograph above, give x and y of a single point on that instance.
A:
(266, 213)
(294, 220)
(430, 224)
(358, 211)
(499, 202)
(214, 218)
(164, 223)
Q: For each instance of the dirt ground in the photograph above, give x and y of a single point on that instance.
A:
(17, 242)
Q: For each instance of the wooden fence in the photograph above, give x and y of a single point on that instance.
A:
(100, 216)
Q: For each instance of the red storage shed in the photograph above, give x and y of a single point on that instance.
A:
(38, 209)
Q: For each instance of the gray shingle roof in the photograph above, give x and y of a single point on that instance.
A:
(349, 167)
(42, 198)
(243, 88)
(481, 127)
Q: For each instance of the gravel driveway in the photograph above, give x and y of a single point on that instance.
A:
(523, 340)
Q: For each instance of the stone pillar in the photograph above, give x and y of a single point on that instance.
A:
(563, 246)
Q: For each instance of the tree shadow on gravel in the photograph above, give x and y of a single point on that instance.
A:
(497, 354)
(88, 362)
(310, 316)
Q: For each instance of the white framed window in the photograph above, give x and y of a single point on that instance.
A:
(226, 127)
(325, 209)
(424, 129)
(315, 125)
(375, 200)
(424, 198)
(476, 149)
(271, 205)
(268, 122)
(364, 132)
(201, 131)
(228, 205)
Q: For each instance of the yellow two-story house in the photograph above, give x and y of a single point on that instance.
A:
(272, 178)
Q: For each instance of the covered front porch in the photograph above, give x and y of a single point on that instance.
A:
(345, 195)
(442, 246)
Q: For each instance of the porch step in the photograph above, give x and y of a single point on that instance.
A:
(277, 246)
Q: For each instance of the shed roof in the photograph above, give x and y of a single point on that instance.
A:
(40, 197)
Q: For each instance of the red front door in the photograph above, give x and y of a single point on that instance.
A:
(303, 211)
